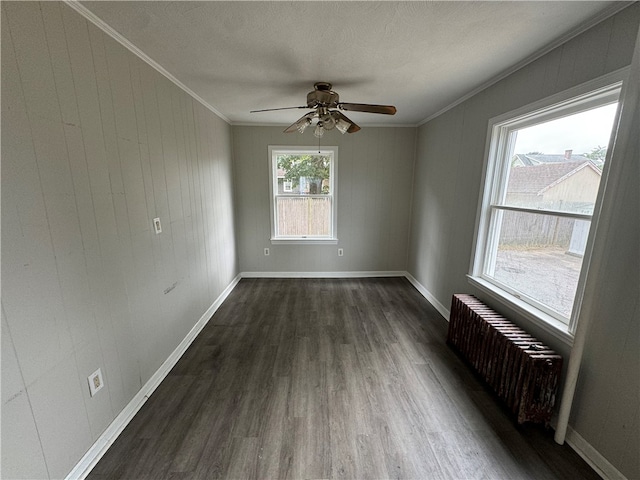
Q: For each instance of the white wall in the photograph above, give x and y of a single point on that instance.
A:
(95, 144)
(375, 169)
(610, 380)
(449, 160)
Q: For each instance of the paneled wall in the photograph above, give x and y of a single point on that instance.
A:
(95, 144)
(606, 410)
(448, 176)
(375, 171)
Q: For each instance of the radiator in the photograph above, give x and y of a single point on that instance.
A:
(522, 371)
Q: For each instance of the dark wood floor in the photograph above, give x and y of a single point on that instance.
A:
(329, 378)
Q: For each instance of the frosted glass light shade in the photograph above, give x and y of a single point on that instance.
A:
(342, 125)
(303, 123)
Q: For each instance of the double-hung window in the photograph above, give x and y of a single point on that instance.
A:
(544, 168)
(303, 201)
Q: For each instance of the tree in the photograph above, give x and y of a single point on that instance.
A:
(315, 168)
(598, 155)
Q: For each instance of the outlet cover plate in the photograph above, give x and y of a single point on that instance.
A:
(95, 382)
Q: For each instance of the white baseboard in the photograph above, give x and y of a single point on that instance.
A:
(322, 274)
(594, 458)
(102, 444)
(590, 455)
(583, 448)
(429, 296)
(368, 274)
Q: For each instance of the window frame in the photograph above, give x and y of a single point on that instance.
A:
(499, 144)
(275, 150)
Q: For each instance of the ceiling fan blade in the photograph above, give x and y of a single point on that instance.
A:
(353, 128)
(364, 107)
(273, 109)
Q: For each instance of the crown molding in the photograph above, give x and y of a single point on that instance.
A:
(284, 125)
(98, 22)
(609, 11)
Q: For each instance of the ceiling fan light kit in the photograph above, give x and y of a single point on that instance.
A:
(323, 99)
(302, 124)
(342, 125)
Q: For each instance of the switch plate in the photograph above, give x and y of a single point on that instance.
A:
(157, 226)
(95, 382)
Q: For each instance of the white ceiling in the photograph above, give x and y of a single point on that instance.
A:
(419, 56)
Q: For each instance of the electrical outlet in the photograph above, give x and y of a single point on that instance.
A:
(95, 382)
(340, 252)
(266, 252)
(157, 226)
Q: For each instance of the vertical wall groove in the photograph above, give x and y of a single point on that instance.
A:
(95, 144)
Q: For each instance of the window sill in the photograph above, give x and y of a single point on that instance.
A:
(304, 241)
(543, 320)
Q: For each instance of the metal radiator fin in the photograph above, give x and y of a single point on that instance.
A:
(522, 371)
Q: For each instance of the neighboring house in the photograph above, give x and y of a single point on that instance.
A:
(530, 159)
(304, 186)
(96, 143)
(565, 186)
(558, 186)
(284, 186)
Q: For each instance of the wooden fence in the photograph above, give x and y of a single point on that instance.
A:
(304, 216)
(535, 230)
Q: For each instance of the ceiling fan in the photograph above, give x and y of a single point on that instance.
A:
(327, 107)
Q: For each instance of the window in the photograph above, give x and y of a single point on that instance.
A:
(544, 168)
(303, 204)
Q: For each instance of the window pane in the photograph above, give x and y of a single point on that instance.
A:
(539, 256)
(303, 216)
(557, 165)
(303, 200)
(304, 174)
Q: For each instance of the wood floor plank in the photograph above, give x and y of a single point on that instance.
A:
(328, 378)
(274, 447)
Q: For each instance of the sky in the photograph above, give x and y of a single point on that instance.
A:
(581, 132)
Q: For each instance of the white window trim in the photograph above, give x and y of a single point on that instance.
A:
(333, 188)
(498, 142)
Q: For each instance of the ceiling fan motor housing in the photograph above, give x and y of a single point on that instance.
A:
(322, 99)
(322, 95)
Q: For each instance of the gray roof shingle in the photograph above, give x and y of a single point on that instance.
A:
(532, 179)
(528, 159)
